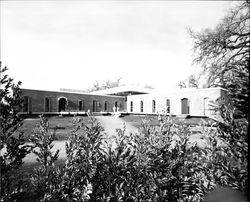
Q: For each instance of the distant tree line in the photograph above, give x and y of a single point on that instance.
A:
(105, 84)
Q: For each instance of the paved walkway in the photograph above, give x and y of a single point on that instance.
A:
(111, 123)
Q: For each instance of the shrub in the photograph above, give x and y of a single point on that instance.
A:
(13, 148)
(46, 178)
(83, 153)
(157, 164)
(231, 159)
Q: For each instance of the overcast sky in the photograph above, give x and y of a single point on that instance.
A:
(70, 44)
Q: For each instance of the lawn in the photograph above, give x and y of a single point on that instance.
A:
(64, 124)
(137, 120)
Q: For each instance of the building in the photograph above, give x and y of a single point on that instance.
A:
(127, 99)
(52, 102)
(187, 101)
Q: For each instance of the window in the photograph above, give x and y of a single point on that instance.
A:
(94, 106)
(106, 106)
(184, 106)
(153, 106)
(141, 106)
(115, 107)
(47, 104)
(131, 106)
(26, 104)
(168, 105)
(80, 105)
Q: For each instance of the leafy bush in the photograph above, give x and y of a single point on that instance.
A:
(158, 164)
(13, 148)
(46, 178)
(83, 153)
(231, 159)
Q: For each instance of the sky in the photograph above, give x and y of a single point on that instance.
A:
(50, 45)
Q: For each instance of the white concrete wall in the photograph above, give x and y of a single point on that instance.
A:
(195, 96)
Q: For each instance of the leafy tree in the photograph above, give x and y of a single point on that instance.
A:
(13, 148)
(223, 53)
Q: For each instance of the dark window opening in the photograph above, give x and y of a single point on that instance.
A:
(47, 105)
(184, 106)
(168, 105)
(94, 106)
(153, 106)
(141, 106)
(116, 105)
(106, 106)
(25, 104)
(131, 106)
(62, 104)
(80, 105)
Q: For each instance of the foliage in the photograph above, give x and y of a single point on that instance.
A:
(46, 178)
(157, 164)
(223, 53)
(231, 159)
(72, 182)
(13, 148)
(83, 153)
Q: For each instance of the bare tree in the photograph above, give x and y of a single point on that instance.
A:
(190, 82)
(106, 84)
(223, 53)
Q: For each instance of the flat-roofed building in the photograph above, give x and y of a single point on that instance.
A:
(127, 99)
(41, 101)
(187, 101)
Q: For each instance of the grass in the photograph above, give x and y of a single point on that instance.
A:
(28, 168)
(136, 120)
(63, 125)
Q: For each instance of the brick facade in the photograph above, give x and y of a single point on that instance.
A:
(35, 101)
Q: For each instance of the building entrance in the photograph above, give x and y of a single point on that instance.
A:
(62, 104)
(184, 106)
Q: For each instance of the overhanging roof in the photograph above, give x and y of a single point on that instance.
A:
(122, 90)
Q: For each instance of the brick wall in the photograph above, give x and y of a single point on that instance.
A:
(37, 101)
